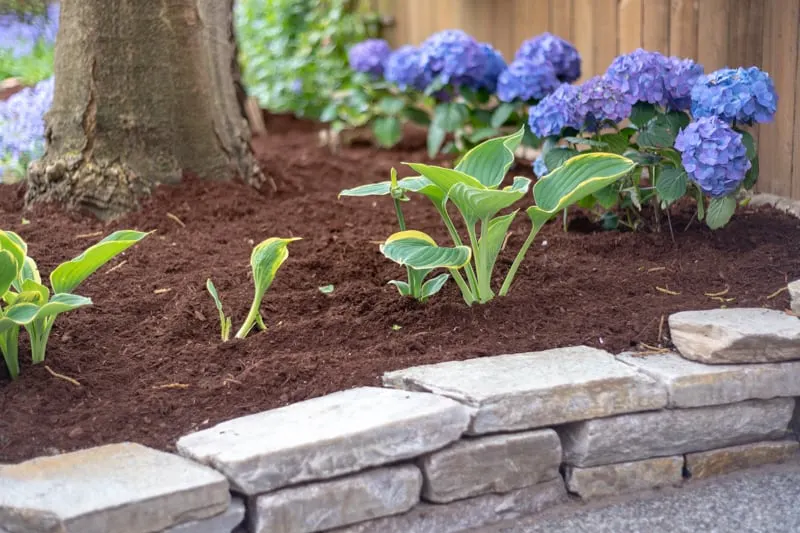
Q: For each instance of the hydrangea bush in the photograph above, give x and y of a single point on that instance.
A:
(685, 129)
(469, 91)
(22, 129)
(27, 42)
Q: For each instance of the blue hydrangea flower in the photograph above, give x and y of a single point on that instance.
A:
(713, 155)
(525, 80)
(640, 75)
(404, 69)
(555, 112)
(599, 101)
(679, 77)
(369, 56)
(539, 166)
(560, 53)
(494, 64)
(745, 95)
(22, 125)
(20, 35)
(453, 57)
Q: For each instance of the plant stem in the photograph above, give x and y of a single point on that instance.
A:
(518, 260)
(476, 255)
(401, 220)
(9, 345)
(451, 228)
(466, 293)
(252, 316)
(39, 332)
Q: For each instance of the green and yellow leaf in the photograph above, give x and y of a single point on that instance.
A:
(489, 161)
(67, 276)
(577, 178)
(445, 178)
(266, 259)
(434, 285)
(481, 204)
(8, 270)
(419, 251)
(10, 242)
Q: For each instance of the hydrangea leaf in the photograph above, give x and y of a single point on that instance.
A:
(720, 211)
(558, 156)
(489, 161)
(387, 131)
(436, 136)
(419, 251)
(450, 116)
(577, 178)
(69, 275)
(501, 114)
(672, 184)
(642, 113)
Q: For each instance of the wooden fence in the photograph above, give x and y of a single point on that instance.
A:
(716, 33)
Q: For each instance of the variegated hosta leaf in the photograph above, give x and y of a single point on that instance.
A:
(489, 161)
(419, 251)
(481, 204)
(266, 259)
(445, 178)
(212, 290)
(69, 275)
(384, 188)
(579, 177)
(23, 313)
(403, 287)
(8, 270)
(31, 287)
(434, 285)
(13, 244)
(492, 241)
(30, 271)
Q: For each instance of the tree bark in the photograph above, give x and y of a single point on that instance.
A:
(144, 91)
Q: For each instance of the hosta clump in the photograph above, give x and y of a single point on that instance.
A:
(475, 188)
(28, 303)
(742, 95)
(561, 54)
(22, 129)
(265, 260)
(369, 56)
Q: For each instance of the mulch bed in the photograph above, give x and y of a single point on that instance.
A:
(149, 359)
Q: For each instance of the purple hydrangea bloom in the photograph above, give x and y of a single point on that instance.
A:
(22, 124)
(494, 64)
(745, 95)
(560, 53)
(714, 156)
(453, 57)
(555, 112)
(640, 75)
(526, 80)
(539, 166)
(20, 35)
(369, 56)
(679, 77)
(599, 100)
(404, 69)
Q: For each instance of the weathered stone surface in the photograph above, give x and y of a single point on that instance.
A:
(461, 515)
(671, 432)
(222, 523)
(329, 504)
(498, 463)
(722, 461)
(326, 437)
(124, 488)
(739, 335)
(530, 390)
(693, 384)
(619, 478)
(794, 296)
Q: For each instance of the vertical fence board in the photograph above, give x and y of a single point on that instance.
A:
(583, 30)
(630, 25)
(655, 25)
(780, 60)
(795, 176)
(745, 32)
(561, 23)
(531, 18)
(712, 45)
(604, 41)
(683, 32)
(503, 26)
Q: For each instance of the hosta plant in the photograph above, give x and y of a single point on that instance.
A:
(475, 188)
(266, 259)
(28, 303)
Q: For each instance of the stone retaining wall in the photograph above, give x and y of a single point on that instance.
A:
(447, 447)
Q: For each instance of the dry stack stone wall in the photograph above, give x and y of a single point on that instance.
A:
(447, 447)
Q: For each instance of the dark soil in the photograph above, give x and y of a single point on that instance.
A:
(148, 355)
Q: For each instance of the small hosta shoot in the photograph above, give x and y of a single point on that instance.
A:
(474, 188)
(28, 303)
(266, 259)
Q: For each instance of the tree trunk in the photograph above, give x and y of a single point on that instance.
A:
(144, 90)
